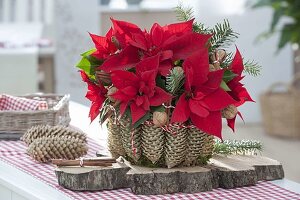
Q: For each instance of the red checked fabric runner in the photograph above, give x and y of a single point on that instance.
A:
(8, 102)
(13, 152)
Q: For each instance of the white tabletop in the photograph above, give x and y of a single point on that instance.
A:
(31, 188)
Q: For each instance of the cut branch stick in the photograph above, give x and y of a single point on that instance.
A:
(111, 112)
(85, 162)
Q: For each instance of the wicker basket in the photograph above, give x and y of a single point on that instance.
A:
(147, 145)
(20, 121)
(281, 110)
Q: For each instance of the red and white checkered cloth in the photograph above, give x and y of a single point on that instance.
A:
(8, 102)
(13, 152)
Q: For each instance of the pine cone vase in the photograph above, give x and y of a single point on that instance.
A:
(176, 145)
(51, 131)
(131, 139)
(208, 145)
(114, 139)
(46, 148)
(153, 140)
(199, 144)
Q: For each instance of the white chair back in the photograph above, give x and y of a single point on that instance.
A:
(26, 11)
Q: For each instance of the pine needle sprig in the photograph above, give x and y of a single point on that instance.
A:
(186, 14)
(237, 147)
(223, 35)
(175, 81)
(252, 68)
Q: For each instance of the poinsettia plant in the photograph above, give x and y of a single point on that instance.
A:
(178, 72)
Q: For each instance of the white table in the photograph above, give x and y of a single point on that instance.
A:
(17, 185)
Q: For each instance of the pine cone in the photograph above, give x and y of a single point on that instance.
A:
(46, 148)
(50, 131)
(114, 139)
(176, 146)
(153, 140)
(199, 144)
(131, 139)
(208, 145)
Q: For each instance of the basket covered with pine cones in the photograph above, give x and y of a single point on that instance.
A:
(163, 92)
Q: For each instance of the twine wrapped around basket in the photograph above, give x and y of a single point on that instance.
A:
(153, 146)
(280, 110)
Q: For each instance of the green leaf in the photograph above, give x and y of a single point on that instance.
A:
(224, 86)
(158, 108)
(89, 64)
(142, 120)
(160, 82)
(262, 3)
(127, 114)
(89, 52)
(286, 36)
(228, 76)
(276, 16)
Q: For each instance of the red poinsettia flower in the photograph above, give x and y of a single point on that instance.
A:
(171, 42)
(203, 98)
(104, 45)
(96, 94)
(238, 91)
(138, 91)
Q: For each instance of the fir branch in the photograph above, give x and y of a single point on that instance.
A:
(175, 80)
(223, 35)
(186, 14)
(244, 147)
(252, 68)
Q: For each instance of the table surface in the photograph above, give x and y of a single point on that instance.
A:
(30, 187)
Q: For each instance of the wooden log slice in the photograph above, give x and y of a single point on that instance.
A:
(232, 173)
(92, 178)
(149, 181)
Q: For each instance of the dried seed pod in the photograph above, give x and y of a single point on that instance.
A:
(220, 55)
(178, 69)
(116, 42)
(111, 91)
(229, 112)
(160, 118)
(211, 68)
(216, 58)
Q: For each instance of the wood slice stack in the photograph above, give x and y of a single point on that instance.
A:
(222, 171)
